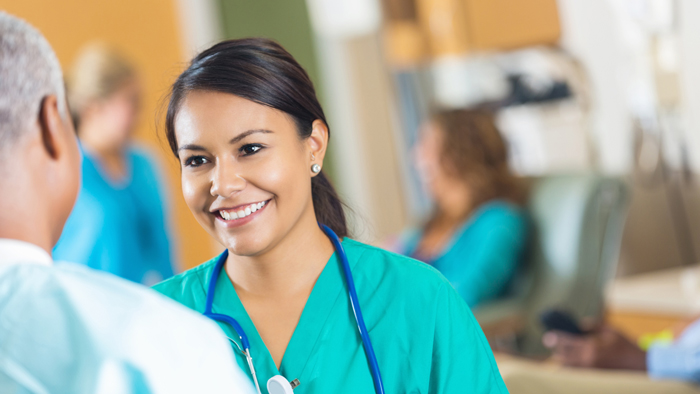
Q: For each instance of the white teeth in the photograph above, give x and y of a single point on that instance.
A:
(232, 215)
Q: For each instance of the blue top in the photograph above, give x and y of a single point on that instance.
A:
(119, 227)
(484, 253)
(680, 360)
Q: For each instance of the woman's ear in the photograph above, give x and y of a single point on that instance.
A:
(317, 142)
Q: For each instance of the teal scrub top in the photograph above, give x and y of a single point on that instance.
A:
(483, 255)
(425, 337)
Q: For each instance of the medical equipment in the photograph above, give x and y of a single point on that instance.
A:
(278, 384)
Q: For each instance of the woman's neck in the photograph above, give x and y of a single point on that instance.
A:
(112, 158)
(291, 267)
(439, 230)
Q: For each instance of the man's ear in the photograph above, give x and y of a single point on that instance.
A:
(318, 141)
(51, 126)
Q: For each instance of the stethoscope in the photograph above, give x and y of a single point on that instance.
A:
(279, 384)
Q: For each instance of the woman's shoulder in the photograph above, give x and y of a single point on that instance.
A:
(142, 154)
(501, 207)
(145, 161)
(395, 281)
(500, 211)
(185, 286)
(382, 266)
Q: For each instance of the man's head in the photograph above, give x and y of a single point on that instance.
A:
(39, 156)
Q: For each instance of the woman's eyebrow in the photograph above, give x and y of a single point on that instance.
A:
(247, 133)
(191, 147)
(233, 140)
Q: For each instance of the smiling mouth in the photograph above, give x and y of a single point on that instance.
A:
(241, 212)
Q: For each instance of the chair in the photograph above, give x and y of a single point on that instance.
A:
(577, 225)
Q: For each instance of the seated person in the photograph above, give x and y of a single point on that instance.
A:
(118, 223)
(70, 329)
(609, 349)
(478, 231)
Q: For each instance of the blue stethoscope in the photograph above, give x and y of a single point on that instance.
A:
(278, 384)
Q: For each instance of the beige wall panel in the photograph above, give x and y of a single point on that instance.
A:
(373, 102)
(445, 24)
(507, 24)
(455, 27)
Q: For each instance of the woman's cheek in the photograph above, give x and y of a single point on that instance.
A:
(192, 192)
(274, 176)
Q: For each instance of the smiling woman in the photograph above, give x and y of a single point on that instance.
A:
(251, 137)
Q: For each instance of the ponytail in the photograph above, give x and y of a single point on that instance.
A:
(327, 205)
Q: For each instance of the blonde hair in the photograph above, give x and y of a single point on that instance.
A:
(98, 72)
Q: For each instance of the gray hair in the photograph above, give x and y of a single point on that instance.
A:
(29, 71)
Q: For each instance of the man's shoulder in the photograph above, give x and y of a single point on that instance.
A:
(90, 295)
(90, 318)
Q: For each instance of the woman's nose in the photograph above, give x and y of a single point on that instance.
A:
(226, 181)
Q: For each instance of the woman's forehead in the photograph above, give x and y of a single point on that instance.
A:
(211, 114)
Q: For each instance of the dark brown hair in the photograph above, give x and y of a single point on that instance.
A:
(260, 70)
(474, 151)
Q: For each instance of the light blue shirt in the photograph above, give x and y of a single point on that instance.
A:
(119, 227)
(680, 360)
(484, 253)
(70, 329)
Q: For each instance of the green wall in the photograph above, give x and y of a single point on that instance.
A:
(285, 21)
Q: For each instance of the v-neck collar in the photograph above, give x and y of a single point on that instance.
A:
(458, 234)
(298, 361)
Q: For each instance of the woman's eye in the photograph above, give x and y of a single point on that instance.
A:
(250, 149)
(195, 161)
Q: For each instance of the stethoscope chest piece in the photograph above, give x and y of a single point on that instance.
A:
(278, 384)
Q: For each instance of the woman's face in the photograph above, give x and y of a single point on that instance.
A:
(449, 192)
(114, 118)
(245, 172)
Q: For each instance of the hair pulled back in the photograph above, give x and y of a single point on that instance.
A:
(474, 150)
(260, 70)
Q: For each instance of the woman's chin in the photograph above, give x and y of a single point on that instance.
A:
(245, 246)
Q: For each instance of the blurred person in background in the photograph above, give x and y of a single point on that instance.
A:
(68, 328)
(478, 231)
(118, 224)
(607, 348)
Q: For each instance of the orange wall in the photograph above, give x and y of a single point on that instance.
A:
(148, 32)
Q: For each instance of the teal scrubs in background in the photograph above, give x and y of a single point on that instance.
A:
(424, 335)
(483, 255)
(119, 227)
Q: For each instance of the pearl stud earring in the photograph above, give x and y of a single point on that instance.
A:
(315, 168)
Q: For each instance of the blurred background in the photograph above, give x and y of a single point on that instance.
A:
(597, 103)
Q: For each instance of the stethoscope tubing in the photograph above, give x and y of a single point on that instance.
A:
(210, 301)
(354, 302)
